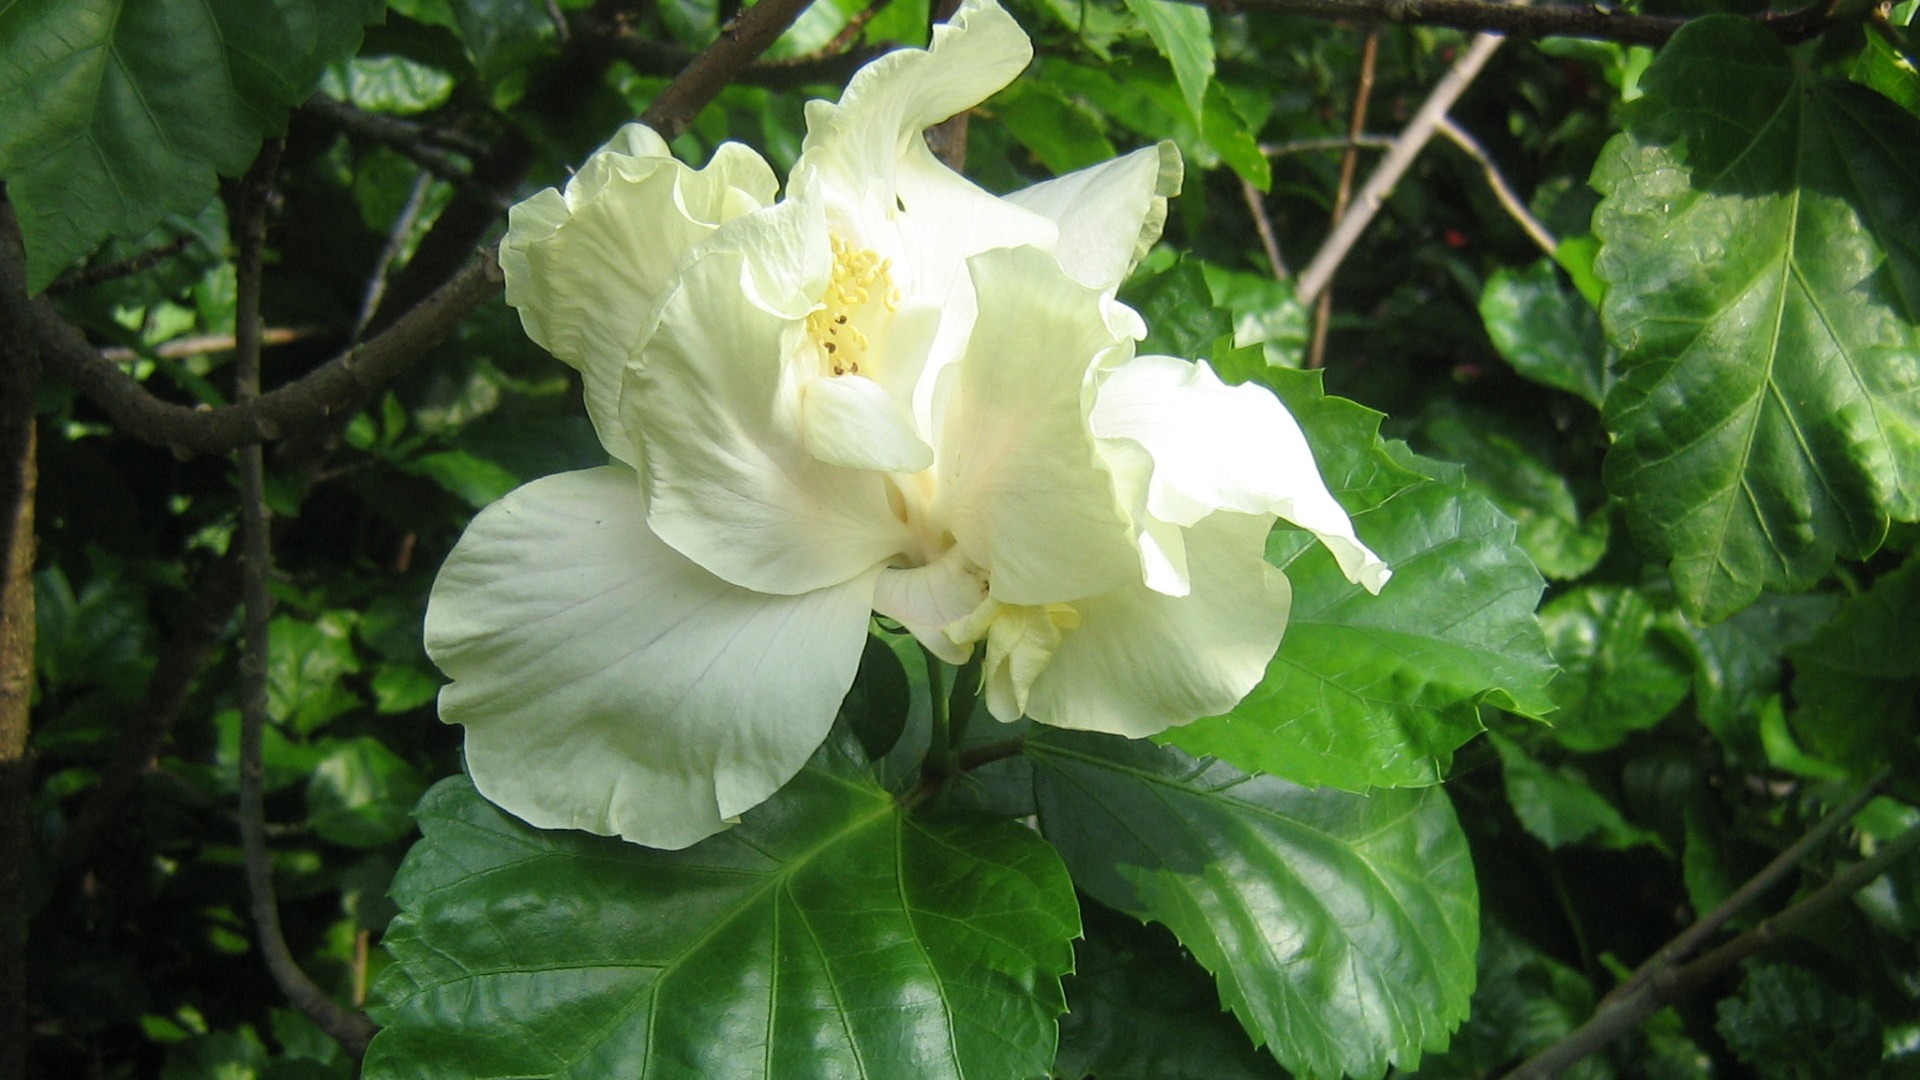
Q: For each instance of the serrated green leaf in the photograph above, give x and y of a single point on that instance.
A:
(1139, 1008)
(828, 935)
(1372, 691)
(1340, 928)
(1183, 33)
(1857, 681)
(1179, 312)
(1623, 665)
(1547, 332)
(1562, 543)
(1559, 806)
(120, 112)
(1266, 313)
(1761, 238)
(362, 794)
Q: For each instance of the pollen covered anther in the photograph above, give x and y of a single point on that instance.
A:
(860, 278)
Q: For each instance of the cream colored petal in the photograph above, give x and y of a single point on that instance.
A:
(587, 268)
(717, 404)
(608, 684)
(1109, 214)
(1025, 492)
(852, 422)
(1219, 447)
(1141, 662)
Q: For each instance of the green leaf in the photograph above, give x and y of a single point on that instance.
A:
(1139, 1008)
(1562, 543)
(362, 795)
(1370, 691)
(474, 479)
(1546, 331)
(1761, 237)
(1179, 312)
(827, 935)
(1623, 664)
(1738, 663)
(1184, 35)
(1064, 134)
(1266, 313)
(120, 112)
(503, 36)
(1559, 805)
(1788, 1024)
(388, 84)
(399, 688)
(1340, 928)
(876, 707)
(1857, 682)
(305, 666)
(1525, 1002)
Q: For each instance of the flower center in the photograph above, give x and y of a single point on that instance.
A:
(860, 280)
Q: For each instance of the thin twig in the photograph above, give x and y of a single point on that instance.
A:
(203, 344)
(1343, 192)
(350, 1029)
(1538, 21)
(94, 275)
(741, 40)
(1388, 173)
(1619, 1015)
(408, 139)
(1509, 199)
(1263, 225)
(396, 240)
(841, 43)
(1312, 146)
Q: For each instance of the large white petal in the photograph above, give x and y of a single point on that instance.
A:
(1108, 214)
(1025, 491)
(1220, 447)
(586, 268)
(716, 401)
(852, 421)
(608, 684)
(1141, 662)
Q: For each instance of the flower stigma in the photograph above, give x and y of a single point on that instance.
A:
(860, 277)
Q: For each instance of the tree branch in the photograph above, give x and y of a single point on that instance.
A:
(1388, 173)
(321, 393)
(1547, 20)
(1502, 191)
(740, 41)
(1343, 192)
(1665, 984)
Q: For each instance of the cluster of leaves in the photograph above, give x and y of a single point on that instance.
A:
(1656, 488)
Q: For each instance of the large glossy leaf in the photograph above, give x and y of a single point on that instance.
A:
(1857, 681)
(1761, 234)
(828, 935)
(1371, 691)
(119, 112)
(1340, 928)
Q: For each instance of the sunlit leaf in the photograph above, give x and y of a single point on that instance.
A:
(1547, 331)
(1184, 35)
(362, 795)
(1340, 928)
(828, 935)
(307, 661)
(1370, 691)
(120, 112)
(1761, 234)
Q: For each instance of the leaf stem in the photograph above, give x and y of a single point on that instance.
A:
(939, 763)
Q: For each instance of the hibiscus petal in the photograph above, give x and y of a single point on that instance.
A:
(1109, 214)
(608, 684)
(1141, 662)
(1024, 489)
(926, 599)
(717, 402)
(852, 422)
(586, 268)
(1220, 447)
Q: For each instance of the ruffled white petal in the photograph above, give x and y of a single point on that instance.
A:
(608, 684)
(1109, 214)
(586, 268)
(716, 400)
(927, 599)
(1025, 491)
(1219, 447)
(1141, 662)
